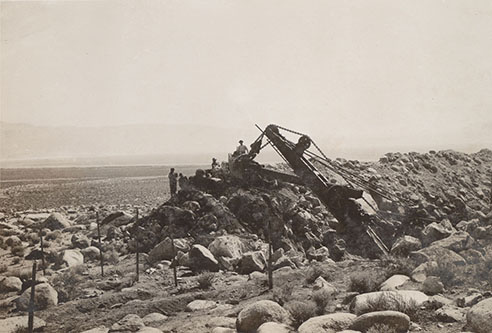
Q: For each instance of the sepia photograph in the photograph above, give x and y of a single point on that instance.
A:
(245, 166)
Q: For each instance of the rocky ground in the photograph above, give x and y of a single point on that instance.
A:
(437, 278)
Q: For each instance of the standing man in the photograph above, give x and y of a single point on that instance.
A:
(215, 164)
(173, 181)
(241, 149)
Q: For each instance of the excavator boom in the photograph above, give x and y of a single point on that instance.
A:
(339, 200)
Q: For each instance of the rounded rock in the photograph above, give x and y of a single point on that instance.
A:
(154, 319)
(328, 323)
(10, 283)
(254, 315)
(479, 317)
(272, 327)
(397, 320)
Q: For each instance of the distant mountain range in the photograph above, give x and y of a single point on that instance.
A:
(23, 144)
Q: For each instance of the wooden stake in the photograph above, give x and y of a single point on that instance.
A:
(100, 244)
(42, 251)
(270, 275)
(175, 263)
(137, 249)
(30, 323)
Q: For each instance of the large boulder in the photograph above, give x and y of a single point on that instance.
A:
(200, 305)
(397, 320)
(458, 241)
(483, 232)
(99, 329)
(404, 245)
(432, 285)
(249, 207)
(13, 241)
(193, 206)
(284, 261)
(201, 259)
(44, 297)
(392, 299)
(154, 319)
(419, 274)
(56, 221)
(450, 313)
(468, 226)
(19, 324)
(129, 323)
(436, 231)
(470, 300)
(321, 254)
(229, 246)
(10, 283)
(272, 327)
(438, 254)
(321, 284)
(80, 241)
(223, 330)
(255, 314)
(330, 323)
(479, 317)
(252, 262)
(394, 282)
(149, 330)
(175, 215)
(117, 219)
(472, 256)
(164, 250)
(91, 253)
(72, 258)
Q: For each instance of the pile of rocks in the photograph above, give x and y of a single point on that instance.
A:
(444, 184)
(235, 227)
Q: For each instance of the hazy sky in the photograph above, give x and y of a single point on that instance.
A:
(351, 73)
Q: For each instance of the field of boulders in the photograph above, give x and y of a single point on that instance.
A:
(204, 256)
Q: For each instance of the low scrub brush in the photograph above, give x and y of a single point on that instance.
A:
(67, 283)
(365, 282)
(300, 311)
(321, 298)
(205, 280)
(283, 294)
(397, 265)
(316, 271)
(446, 271)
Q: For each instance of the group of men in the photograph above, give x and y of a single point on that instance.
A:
(173, 176)
(173, 181)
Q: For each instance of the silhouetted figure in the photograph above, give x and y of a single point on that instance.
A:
(215, 164)
(241, 149)
(173, 181)
(183, 182)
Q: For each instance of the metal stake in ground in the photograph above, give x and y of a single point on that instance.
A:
(30, 323)
(137, 248)
(270, 275)
(174, 263)
(100, 244)
(268, 201)
(42, 251)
